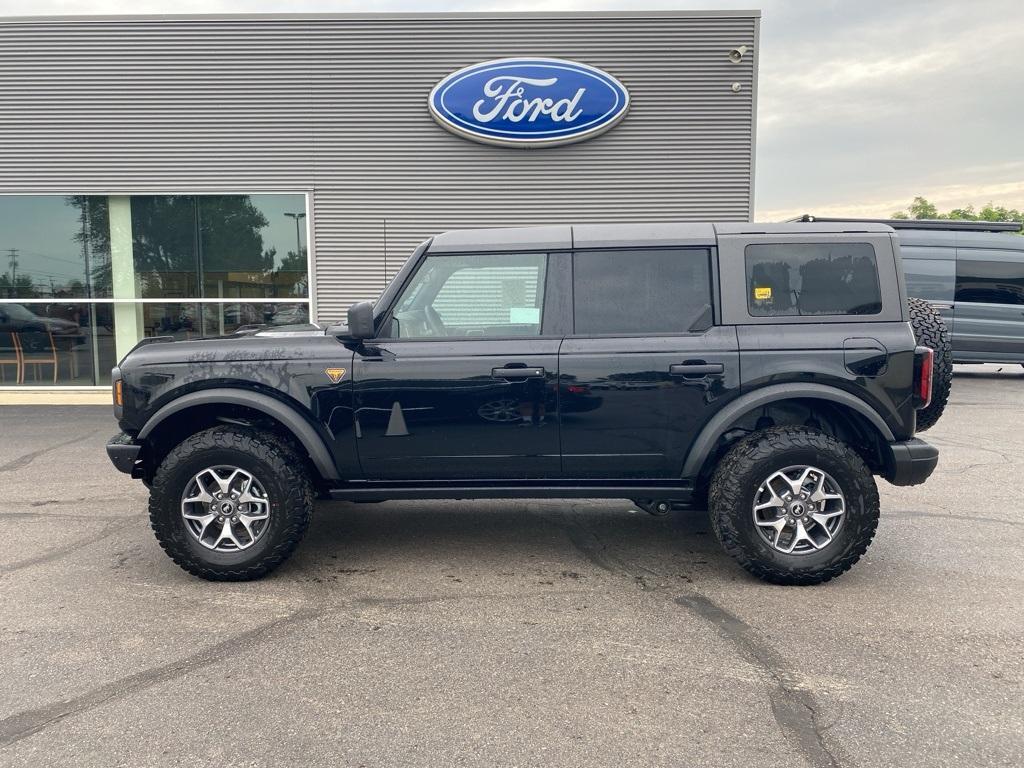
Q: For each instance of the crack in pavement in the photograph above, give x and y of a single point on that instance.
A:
(23, 724)
(28, 458)
(970, 518)
(795, 710)
(395, 602)
(107, 530)
(66, 515)
(597, 552)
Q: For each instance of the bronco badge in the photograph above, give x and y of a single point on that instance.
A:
(335, 374)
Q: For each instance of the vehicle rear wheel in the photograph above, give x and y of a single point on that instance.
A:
(230, 503)
(793, 505)
(930, 331)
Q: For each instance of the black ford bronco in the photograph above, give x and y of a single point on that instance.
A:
(765, 372)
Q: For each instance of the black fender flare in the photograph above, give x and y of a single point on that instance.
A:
(716, 427)
(287, 415)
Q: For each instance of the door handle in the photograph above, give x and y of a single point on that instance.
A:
(510, 372)
(697, 369)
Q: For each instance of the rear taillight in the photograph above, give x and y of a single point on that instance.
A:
(924, 359)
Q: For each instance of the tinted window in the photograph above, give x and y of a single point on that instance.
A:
(640, 291)
(991, 282)
(930, 279)
(490, 294)
(812, 279)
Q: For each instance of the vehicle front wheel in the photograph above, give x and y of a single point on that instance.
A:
(230, 503)
(793, 505)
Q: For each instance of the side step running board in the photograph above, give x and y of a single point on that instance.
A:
(382, 492)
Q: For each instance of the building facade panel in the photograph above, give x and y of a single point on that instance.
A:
(336, 107)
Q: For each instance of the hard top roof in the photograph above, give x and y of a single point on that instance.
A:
(637, 235)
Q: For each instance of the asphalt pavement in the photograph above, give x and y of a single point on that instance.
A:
(512, 633)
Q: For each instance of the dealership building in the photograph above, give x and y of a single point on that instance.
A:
(189, 175)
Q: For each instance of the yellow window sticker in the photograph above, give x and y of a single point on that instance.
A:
(762, 294)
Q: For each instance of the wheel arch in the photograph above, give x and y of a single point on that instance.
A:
(207, 402)
(707, 445)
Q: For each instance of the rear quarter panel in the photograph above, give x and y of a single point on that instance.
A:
(776, 354)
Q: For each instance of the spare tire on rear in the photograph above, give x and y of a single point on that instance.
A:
(930, 331)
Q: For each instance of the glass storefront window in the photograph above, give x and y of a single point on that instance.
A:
(253, 247)
(194, 320)
(230, 246)
(70, 344)
(164, 248)
(54, 247)
(59, 254)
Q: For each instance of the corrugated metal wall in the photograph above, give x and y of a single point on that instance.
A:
(337, 106)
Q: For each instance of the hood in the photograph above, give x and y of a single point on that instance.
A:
(248, 342)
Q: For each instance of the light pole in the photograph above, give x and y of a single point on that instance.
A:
(298, 237)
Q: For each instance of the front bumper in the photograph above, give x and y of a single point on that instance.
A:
(124, 454)
(911, 462)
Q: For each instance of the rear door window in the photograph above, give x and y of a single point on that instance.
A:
(788, 279)
(651, 291)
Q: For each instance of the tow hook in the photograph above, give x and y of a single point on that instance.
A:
(656, 507)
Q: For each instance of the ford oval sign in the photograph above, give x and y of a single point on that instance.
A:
(529, 102)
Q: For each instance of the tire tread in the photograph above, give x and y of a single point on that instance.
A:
(930, 331)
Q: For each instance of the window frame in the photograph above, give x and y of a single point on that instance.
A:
(310, 300)
(552, 276)
(712, 297)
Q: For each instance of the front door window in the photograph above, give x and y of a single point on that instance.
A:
(486, 295)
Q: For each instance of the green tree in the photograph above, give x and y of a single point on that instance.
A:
(21, 288)
(921, 208)
(93, 238)
(172, 235)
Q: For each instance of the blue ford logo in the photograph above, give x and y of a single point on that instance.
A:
(529, 102)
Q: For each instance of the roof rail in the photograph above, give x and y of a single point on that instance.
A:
(960, 225)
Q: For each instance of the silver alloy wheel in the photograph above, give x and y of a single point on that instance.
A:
(798, 510)
(225, 508)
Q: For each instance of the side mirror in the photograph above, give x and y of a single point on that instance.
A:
(360, 323)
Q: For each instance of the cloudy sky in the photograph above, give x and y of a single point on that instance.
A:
(862, 105)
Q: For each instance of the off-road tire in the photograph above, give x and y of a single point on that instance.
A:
(930, 331)
(750, 462)
(277, 466)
